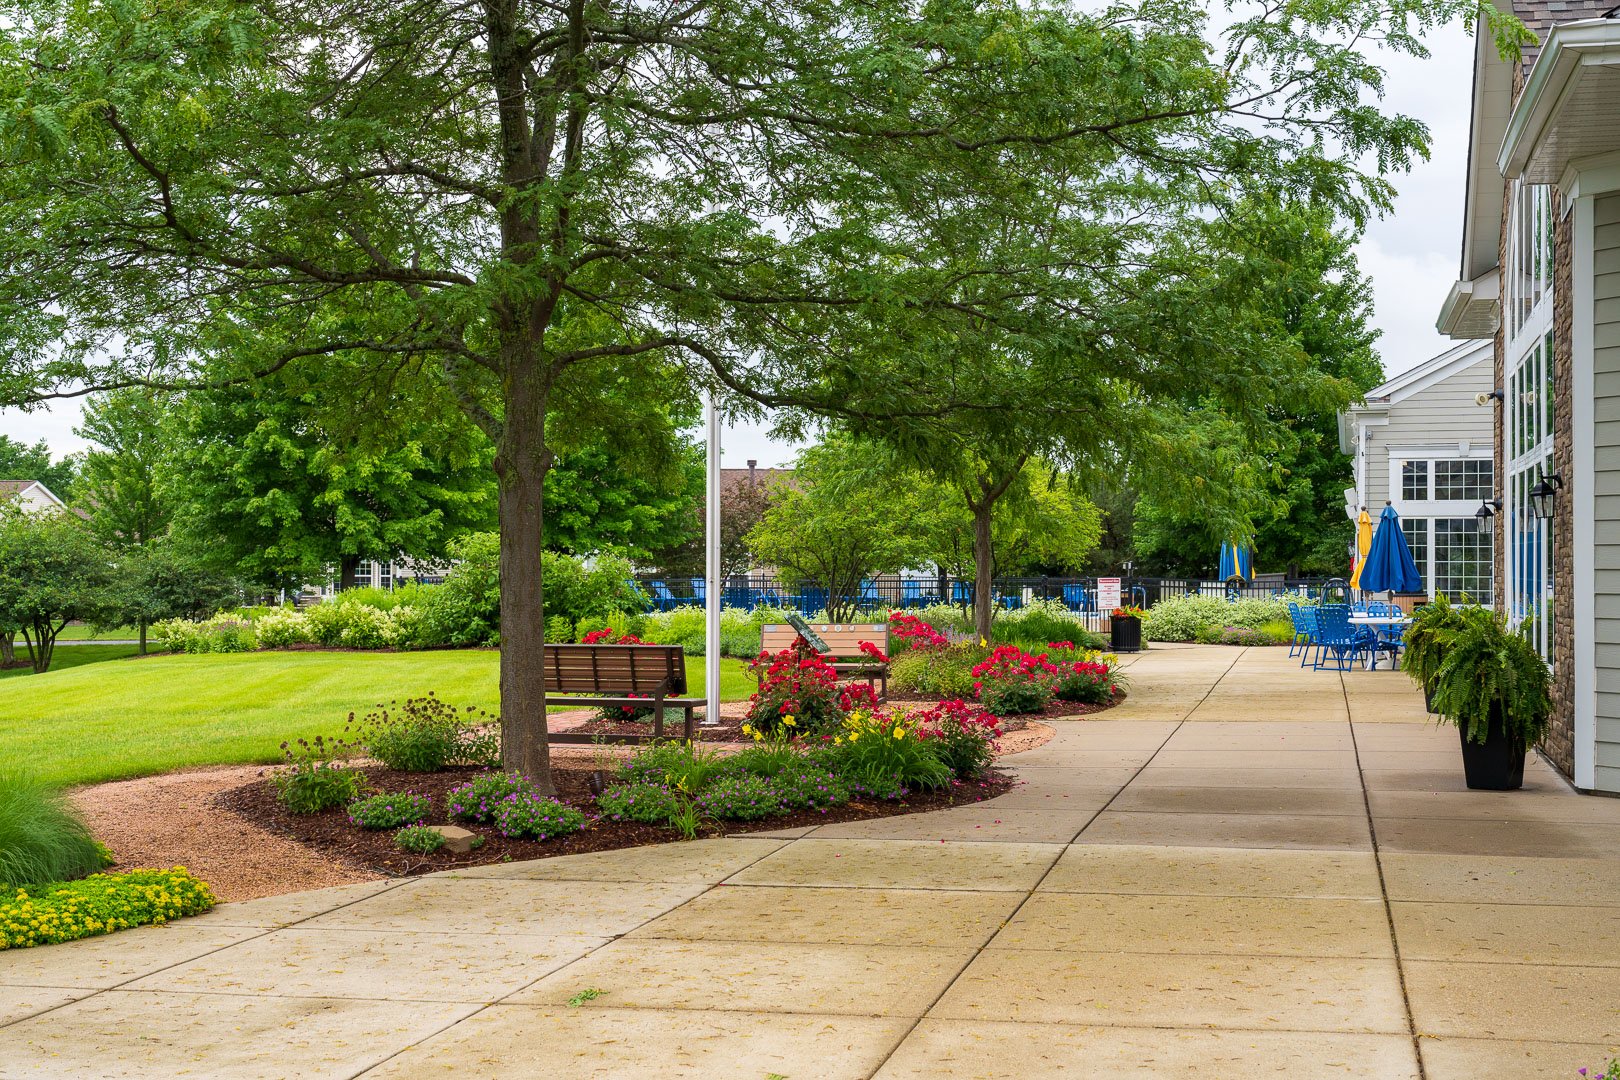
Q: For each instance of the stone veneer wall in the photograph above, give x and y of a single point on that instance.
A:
(1559, 744)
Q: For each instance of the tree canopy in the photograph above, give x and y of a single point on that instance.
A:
(21, 461)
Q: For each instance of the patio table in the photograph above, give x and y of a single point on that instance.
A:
(1380, 622)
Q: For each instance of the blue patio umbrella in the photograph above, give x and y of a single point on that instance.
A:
(1389, 565)
(1236, 561)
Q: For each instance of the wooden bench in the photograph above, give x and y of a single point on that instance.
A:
(637, 676)
(842, 640)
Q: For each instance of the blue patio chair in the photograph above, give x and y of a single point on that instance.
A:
(1302, 630)
(1337, 641)
(961, 592)
(740, 596)
(662, 598)
(1075, 598)
(1012, 601)
(1307, 618)
(869, 596)
(911, 594)
(700, 589)
(811, 601)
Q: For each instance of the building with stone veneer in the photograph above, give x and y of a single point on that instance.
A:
(1541, 280)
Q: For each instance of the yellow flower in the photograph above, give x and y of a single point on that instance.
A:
(899, 733)
(984, 642)
(788, 721)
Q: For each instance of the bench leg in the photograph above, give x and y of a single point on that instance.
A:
(658, 717)
(690, 715)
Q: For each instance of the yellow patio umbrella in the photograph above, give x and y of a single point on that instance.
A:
(1364, 533)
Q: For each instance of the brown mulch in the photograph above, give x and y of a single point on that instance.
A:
(728, 730)
(332, 835)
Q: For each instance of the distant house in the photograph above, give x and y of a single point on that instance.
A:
(1421, 442)
(33, 496)
(1540, 287)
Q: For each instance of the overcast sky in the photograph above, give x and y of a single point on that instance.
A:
(1412, 256)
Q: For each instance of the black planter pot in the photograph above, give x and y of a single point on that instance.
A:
(1428, 697)
(1497, 764)
(597, 782)
(1125, 634)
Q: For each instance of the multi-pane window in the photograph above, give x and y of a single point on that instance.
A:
(1414, 480)
(1469, 479)
(1462, 559)
(1528, 411)
(1417, 538)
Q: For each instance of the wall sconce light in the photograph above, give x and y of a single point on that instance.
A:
(1486, 399)
(1545, 495)
(1486, 511)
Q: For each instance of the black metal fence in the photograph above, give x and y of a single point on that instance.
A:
(892, 592)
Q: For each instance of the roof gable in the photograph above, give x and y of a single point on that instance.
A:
(1431, 371)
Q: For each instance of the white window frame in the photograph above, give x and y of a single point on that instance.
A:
(1421, 513)
(1526, 573)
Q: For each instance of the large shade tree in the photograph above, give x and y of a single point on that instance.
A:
(502, 193)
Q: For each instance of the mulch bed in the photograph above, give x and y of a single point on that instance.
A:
(332, 834)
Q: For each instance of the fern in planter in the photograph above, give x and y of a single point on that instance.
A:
(1487, 670)
(1424, 651)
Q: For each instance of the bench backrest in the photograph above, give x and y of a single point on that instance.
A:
(843, 639)
(615, 670)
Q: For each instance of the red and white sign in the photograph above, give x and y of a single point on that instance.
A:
(1107, 593)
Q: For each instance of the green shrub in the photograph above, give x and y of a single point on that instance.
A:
(936, 673)
(278, 628)
(1039, 622)
(226, 632)
(466, 608)
(652, 804)
(1179, 618)
(313, 780)
(421, 840)
(98, 904)
(426, 734)
(559, 631)
(390, 810)
(685, 626)
(963, 736)
(373, 596)
(808, 786)
(476, 800)
(739, 796)
(885, 755)
(535, 817)
(1012, 681)
(42, 838)
(1278, 631)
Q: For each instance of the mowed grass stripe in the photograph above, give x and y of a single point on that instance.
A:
(131, 716)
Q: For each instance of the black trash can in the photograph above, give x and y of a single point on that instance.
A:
(1125, 634)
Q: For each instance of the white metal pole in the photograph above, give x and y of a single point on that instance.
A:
(714, 587)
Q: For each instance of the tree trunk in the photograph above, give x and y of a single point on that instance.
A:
(41, 646)
(8, 648)
(348, 572)
(521, 461)
(982, 569)
(141, 625)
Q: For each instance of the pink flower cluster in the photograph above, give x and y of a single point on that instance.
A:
(919, 634)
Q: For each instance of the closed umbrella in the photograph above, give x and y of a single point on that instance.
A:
(1364, 533)
(1236, 561)
(1389, 564)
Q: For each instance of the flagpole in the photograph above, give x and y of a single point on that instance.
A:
(714, 587)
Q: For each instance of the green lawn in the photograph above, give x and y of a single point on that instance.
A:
(70, 656)
(80, 632)
(84, 722)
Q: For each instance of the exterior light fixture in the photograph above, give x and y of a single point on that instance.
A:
(1544, 495)
(1486, 511)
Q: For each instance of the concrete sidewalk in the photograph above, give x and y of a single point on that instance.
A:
(1246, 870)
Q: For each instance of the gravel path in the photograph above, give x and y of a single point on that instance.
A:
(163, 821)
